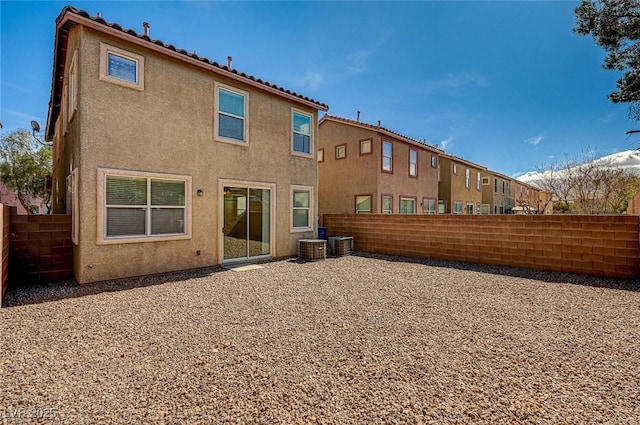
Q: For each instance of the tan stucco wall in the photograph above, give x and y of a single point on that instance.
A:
(341, 180)
(453, 186)
(169, 128)
(496, 199)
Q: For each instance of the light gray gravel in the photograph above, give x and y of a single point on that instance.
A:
(350, 340)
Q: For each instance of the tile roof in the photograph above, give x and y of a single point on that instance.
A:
(464, 161)
(66, 15)
(378, 128)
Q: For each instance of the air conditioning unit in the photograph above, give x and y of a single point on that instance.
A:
(340, 245)
(312, 249)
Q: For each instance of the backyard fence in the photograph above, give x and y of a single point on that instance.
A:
(599, 245)
(35, 248)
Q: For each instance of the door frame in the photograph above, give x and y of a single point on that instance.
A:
(249, 184)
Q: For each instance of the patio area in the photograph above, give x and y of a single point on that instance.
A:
(357, 339)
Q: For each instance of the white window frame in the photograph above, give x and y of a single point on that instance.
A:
(429, 206)
(406, 198)
(105, 51)
(321, 155)
(455, 168)
(363, 211)
(102, 239)
(382, 208)
(470, 207)
(385, 170)
(434, 161)
(293, 132)
(454, 210)
(245, 128)
(467, 178)
(442, 208)
(311, 208)
(485, 209)
(344, 151)
(365, 147)
(479, 181)
(413, 165)
(73, 86)
(485, 181)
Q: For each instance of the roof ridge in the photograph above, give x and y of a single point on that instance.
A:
(379, 127)
(194, 55)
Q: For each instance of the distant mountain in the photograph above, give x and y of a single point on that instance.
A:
(627, 160)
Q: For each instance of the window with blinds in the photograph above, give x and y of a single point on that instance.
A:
(137, 206)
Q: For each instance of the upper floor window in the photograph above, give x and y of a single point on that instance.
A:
(479, 181)
(434, 161)
(485, 181)
(301, 133)
(495, 185)
(387, 157)
(341, 151)
(321, 155)
(503, 186)
(365, 147)
(455, 168)
(121, 67)
(467, 178)
(73, 86)
(413, 163)
(231, 113)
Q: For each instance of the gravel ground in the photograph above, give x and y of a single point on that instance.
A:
(358, 339)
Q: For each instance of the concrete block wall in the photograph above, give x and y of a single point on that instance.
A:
(5, 215)
(41, 248)
(594, 245)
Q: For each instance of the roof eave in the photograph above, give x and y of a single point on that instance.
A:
(70, 16)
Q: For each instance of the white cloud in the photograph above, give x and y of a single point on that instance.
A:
(444, 144)
(455, 81)
(312, 80)
(18, 88)
(534, 140)
(608, 118)
(357, 61)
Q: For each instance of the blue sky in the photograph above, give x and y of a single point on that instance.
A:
(507, 85)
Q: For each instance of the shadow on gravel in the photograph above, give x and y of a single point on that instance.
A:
(545, 276)
(35, 293)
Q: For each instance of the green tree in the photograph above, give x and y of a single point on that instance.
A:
(24, 165)
(615, 26)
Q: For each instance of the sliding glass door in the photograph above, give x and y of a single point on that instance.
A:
(247, 223)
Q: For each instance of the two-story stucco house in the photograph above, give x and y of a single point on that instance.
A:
(497, 196)
(168, 161)
(460, 187)
(529, 199)
(366, 168)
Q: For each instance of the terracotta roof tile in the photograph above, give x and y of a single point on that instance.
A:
(133, 33)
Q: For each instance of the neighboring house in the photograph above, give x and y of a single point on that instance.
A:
(366, 168)
(634, 205)
(530, 199)
(8, 197)
(460, 187)
(169, 161)
(497, 197)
